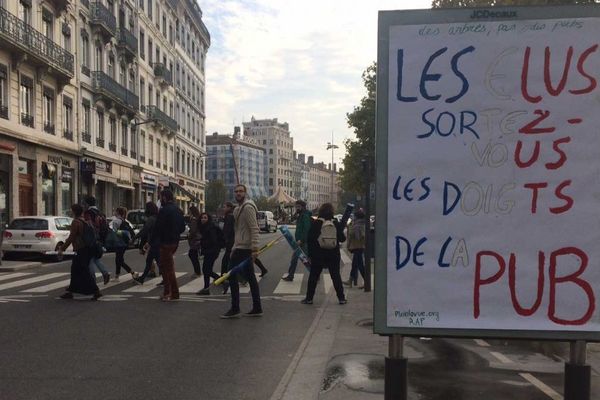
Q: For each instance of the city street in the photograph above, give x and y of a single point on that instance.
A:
(129, 345)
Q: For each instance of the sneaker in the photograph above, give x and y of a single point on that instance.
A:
(264, 273)
(106, 278)
(306, 301)
(138, 280)
(203, 292)
(96, 296)
(343, 301)
(116, 278)
(135, 275)
(231, 314)
(254, 313)
(288, 278)
(67, 295)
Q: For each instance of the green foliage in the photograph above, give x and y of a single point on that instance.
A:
(263, 204)
(362, 119)
(216, 195)
(492, 3)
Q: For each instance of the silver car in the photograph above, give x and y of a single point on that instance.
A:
(36, 234)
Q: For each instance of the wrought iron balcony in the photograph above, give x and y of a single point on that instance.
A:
(128, 42)
(86, 137)
(165, 167)
(104, 19)
(67, 134)
(20, 38)
(112, 147)
(27, 120)
(143, 158)
(150, 162)
(133, 154)
(162, 72)
(3, 111)
(173, 4)
(124, 151)
(85, 70)
(160, 118)
(49, 127)
(100, 142)
(111, 90)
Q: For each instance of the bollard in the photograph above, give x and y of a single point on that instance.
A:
(396, 370)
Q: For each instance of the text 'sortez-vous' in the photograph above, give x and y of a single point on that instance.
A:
(574, 80)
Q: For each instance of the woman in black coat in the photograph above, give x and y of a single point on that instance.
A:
(321, 258)
(211, 242)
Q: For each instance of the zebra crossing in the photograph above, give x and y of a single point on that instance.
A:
(27, 286)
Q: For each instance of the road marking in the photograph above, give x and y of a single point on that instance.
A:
(18, 298)
(328, 284)
(293, 287)
(542, 386)
(501, 357)
(122, 279)
(15, 275)
(481, 342)
(150, 285)
(246, 289)
(52, 286)
(29, 281)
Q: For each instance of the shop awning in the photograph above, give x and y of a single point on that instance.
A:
(177, 187)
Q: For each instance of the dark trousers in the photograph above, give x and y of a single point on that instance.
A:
(260, 266)
(358, 264)
(207, 267)
(152, 255)
(193, 255)
(334, 272)
(237, 257)
(167, 268)
(225, 260)
(120, 261)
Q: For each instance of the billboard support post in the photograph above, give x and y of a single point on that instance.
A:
(396, 370)
(368, 237)
(577, 373)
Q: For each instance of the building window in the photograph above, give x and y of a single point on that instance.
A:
(142, 45)
(124, 138)
(165, 156)
(150, 9)
(47, 24)
(26, 100)
(49, 189)
(3, 91)
(142, 94)
(111, 65)
(143, 146)
(177, 161)
(142, 5)
(67, 118)
(133, 144)
(25, 11)
(48, 110)
(150, 94)
(86, 136)
(149, 51)
(66, 30)
(158, 153)
(112, 124)
(100, 133)
(151, 150)
(98, 58)
(85, 53)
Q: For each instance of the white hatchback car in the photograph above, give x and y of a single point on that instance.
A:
(36, 234)
(266, 221)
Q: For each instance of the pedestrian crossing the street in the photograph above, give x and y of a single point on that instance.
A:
(43, 285)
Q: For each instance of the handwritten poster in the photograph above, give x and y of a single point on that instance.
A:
(493, 189)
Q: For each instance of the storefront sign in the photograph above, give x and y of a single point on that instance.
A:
(123, 182)
(59, 160)
(67, 175)
(149, 179)
(88, 167)
(102, 166)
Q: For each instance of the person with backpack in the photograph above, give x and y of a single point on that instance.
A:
(97, 220)
(194, 239)
(170, 224)
(151, 247)
(211, 242)
(356, 246)
(124, 231)
(83, 238)
(324, 238)
(301, 235)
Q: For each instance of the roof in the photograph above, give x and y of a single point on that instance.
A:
(280, 196)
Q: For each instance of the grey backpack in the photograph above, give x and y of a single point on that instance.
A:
(328, 237)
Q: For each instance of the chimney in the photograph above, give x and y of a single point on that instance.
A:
(236, 132)
(334, 167)
(302, 158)
(329, 166)
(311, 160)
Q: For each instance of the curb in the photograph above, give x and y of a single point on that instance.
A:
(11, 266)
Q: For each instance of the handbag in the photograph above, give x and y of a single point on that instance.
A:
(113, 241)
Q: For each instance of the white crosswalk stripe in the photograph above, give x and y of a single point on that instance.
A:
(293, 287)
(15, 275)
(150, 285)
(328, 285)
(52, 286)
(193, 286)
(29, 281)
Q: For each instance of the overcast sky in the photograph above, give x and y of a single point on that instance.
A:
(298, 61)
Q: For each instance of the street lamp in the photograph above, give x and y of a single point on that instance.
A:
(332, 147)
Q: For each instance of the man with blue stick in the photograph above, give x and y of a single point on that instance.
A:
(245, 247)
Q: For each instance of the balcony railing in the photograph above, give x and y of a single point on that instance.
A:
(86, 3)
(108, 87)
(100, 15)
(143, 158)
(86, 137)
(3, 111)
(100, 142)
(133, 154)
(161, 71)
(150, 162)
(161, 118)
(124, 151)
(18, 34)
(27, 120)
(85, 70)
(67, 134)
(112, 147)
(49, 127)
(128, 41)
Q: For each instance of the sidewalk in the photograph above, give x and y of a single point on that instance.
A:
(11, 266)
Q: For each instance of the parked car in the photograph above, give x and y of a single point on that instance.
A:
(266, 221)
(36, 234)
(136, 242)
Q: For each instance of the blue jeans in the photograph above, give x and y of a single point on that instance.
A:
(294, 262)
(358, 264)
(152, 255)
(97, 263)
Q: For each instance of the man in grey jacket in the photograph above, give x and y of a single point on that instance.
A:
(245, 248)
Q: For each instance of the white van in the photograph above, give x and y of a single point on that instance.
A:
(266, 221)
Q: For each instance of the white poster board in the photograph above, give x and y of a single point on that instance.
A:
(493, 175)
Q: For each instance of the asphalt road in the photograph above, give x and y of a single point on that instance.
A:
(132, 346)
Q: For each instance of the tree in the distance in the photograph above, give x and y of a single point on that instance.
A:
(216, 195)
